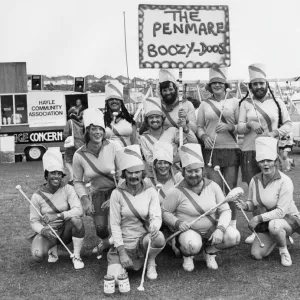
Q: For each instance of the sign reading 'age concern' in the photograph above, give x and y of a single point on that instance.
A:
(183, 36)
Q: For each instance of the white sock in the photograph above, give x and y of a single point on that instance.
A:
(77, 243)
(233, 223)
(283, 250)
(53, 250)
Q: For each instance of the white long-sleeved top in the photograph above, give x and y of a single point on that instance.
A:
(177, 207)
(64, 199)
(105, 162)
(207, 121)
(126, 132)
(277, 196)
(126, 229)
(247, 114)
(169, 184)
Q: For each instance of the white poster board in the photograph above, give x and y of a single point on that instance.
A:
(46, 109)
(184, 36)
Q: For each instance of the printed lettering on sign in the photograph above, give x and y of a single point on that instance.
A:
(46, 109)
(38, 137)
(183, 36)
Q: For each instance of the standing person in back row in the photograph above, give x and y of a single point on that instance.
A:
(220, 135)
(264, 116)
(121, 127)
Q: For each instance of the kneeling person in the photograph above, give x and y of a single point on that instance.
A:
(60, 208)
(271, 198)
(135, 218)
(193, 196)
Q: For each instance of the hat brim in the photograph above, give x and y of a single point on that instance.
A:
(258, 80)
(114, 97)
(55, 168)
(217, 79)
(136, 168)
(194, 166)
(154, 112)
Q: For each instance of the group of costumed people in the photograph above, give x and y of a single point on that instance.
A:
(143, 190)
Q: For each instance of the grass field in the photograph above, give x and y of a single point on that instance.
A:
(238, 276)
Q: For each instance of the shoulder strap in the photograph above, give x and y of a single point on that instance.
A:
(169, 117)
(218, 113)
(133, 210)
(265, 116)
(258, 199)
(195, 204)
(48, 201)
(72, 128)
(115, 131)
(148, 138)
(161, 192)
(93, 166)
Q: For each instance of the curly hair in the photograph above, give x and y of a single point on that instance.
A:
(124, 114)
(86, 135)
(166, 84)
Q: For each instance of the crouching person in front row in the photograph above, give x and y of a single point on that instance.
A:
(187, 201)
(61, 209)
(271, 198)
(135, 218)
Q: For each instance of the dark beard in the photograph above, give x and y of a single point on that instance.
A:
(260, 94)
(170, 100)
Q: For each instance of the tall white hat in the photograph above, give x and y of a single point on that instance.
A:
(257, 72)
(218, 75)
(130, 158)
(152, 106)
(191, 155)
(266, 148)
(163, 151)
(114, 90)
(93, 116)
(166, 75)
(52, 160)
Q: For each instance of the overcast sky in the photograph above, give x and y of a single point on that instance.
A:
(82, 37)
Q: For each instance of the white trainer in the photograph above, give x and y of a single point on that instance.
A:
(250, 239)
(188, 263)
(151, 272)
(52, 255)
(77, 263)
(210, 261)
(286, 259)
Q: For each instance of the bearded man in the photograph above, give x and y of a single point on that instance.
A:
(193, 196)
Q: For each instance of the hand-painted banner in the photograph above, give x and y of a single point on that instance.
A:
(183, 36)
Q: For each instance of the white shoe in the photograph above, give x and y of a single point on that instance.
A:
(286, 259)
(250, 239)
(188, 263)
(210, 260)
(151, 272)
(52, 255)
(77, 262)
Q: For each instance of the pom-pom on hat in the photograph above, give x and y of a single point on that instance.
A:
(166, 75)
(152, 106)
(114, 90)
(163, 151)
(53, 161)
(191, 155)
(130, 158)
(93, 116)
(266, 148)
(257, 73)
(218, 75)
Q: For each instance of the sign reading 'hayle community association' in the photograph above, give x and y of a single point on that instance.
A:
(183, 36)
(46, 109)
